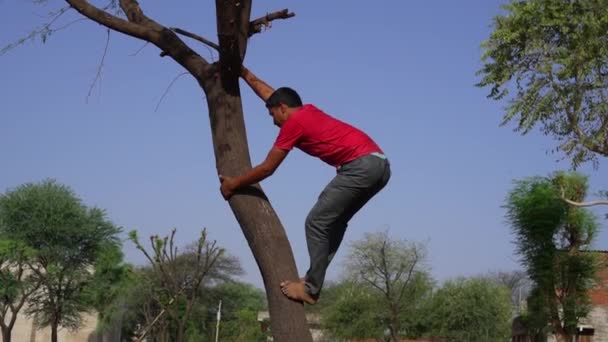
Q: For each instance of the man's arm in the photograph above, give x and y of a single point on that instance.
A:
(257, 174)
(260, 87)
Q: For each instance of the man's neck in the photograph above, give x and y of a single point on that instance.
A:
(291, 110)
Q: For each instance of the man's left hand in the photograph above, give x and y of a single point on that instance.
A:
(228, 186)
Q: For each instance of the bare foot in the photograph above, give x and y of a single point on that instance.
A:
(297, 291)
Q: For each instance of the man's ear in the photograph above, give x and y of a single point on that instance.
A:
(283, 107)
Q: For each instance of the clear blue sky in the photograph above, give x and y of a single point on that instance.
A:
(403, 71)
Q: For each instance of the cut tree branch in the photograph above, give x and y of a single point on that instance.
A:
(256, 25)
(195, 37)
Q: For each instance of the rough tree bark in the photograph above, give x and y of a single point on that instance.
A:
(257, 219)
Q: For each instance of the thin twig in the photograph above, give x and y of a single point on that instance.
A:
(103, 58)
(113, 5)
(139, 50)
(44, 31)
(167, 90)
(51, 14)
(68, 24)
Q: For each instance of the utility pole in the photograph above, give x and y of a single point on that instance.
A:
(219, 318)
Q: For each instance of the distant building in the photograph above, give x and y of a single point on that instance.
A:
(594, 327)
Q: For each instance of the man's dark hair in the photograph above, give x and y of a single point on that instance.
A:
(286, 96)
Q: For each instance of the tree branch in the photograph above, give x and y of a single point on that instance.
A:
(195, 37)
(604, 114)
(172, 248)
(581, 204)
(142, 27)
(586, 204)
(256, 25)
(573, 119)
(162, 312)
(385, 270)
(373, 283)
(2, 324)
(409, 277)
(114, 22)
(367, 263)
(134, 13)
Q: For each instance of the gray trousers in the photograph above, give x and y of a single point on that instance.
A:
(354, 185)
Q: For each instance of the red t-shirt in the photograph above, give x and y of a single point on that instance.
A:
(325, 137)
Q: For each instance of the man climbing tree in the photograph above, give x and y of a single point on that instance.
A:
(362, 171)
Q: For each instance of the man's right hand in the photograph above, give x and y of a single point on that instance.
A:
(228, 186)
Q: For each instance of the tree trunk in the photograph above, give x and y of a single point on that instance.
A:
(6, 334)
(179, 335)
(115, 332)
(181, 326)
(258, 221)
(394, 324)
(54, 328)
(394, 332)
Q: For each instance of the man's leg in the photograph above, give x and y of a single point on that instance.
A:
(323, 229)
(355, 185)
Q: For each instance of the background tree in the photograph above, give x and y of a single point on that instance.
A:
(553, 55)
(16, 283)
(474, 309)
(393, 268)
(177, 278)
(138, 301)
(353, 312)
(518, 283)
(220, 83)
(67, 239)
(135, 307)
(241, 303)
(111, 278)
(552, 238)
